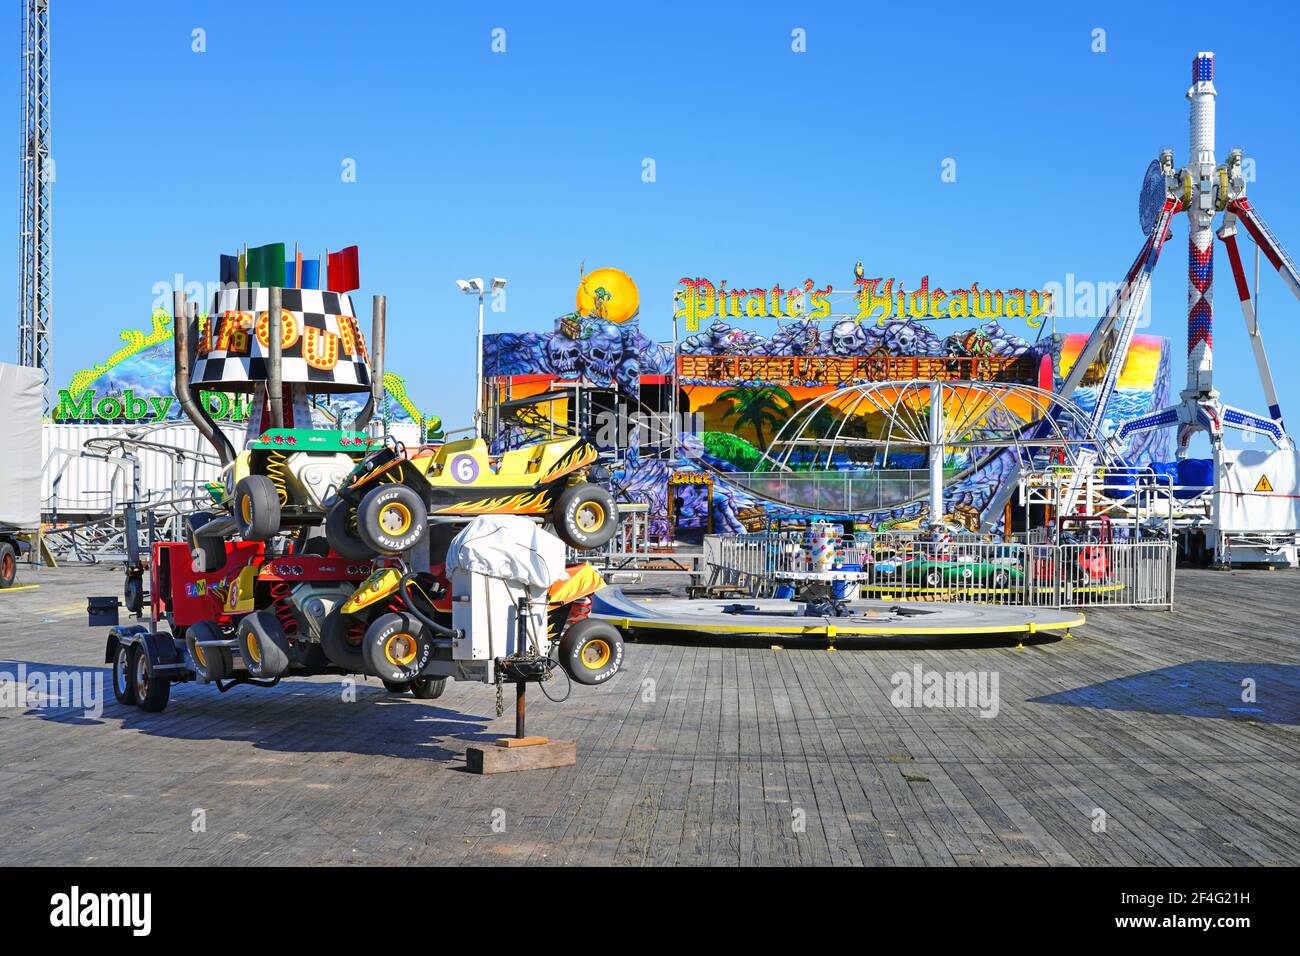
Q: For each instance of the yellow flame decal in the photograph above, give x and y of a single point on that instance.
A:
(579, 455)
(524, 503)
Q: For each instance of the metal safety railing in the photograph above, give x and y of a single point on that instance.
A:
(904, 567)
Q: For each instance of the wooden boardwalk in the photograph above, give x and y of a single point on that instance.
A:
(694, 754)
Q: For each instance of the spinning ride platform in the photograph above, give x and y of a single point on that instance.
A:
(763, 616)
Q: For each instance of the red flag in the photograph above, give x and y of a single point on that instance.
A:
(343, 270)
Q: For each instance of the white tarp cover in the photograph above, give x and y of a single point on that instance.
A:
(509, 547)
(1259, 491)
(20, 464)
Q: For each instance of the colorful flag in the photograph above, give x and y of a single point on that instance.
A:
(229, 270)
(310, 274)
(266, 265)
(343, 270)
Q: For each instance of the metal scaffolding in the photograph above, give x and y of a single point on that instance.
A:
(38, 174)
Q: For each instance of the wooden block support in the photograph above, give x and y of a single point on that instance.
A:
(494, 759)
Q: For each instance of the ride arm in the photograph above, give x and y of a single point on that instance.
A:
(1240, 209)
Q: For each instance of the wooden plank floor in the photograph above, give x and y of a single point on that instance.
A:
(695, 754)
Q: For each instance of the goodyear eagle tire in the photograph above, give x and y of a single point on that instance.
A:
(392, 519)
(428, 688)
(396, 648)
(342, 539)
(210, 663)
(397, 686)
(257, 508)
(585, 516)
(591, 651)
(263, 645)
(341, 636)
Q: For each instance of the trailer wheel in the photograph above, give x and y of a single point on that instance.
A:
(8, 564)
(133, 593)
(210, 663)
(257, 508)
(396, 647)
(123, 675)
(152, 690)
(591, 651)
(263, 645)
(392, 519)
(428, 688)
(341, 636)
(397, 686)
(585, 516)
(340, 532)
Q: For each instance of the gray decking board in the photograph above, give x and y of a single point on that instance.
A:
(711, 771)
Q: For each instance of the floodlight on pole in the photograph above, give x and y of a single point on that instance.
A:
(476, 287)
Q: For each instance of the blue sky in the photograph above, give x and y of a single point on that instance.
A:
(771, 166)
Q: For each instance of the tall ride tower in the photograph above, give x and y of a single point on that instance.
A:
(38, 173)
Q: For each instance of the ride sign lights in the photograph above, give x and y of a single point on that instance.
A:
(878, 301)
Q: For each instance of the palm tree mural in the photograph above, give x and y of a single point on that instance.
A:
(758, 406)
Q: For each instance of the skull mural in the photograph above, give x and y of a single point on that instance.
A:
(900, 338)
(797, 338)
(602, 351)
(629, 374)
(848, 338)
(562, 355)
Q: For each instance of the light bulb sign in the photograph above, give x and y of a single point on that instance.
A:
(90, 405)
(877, 301)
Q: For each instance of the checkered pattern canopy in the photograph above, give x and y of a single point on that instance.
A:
(324, 348)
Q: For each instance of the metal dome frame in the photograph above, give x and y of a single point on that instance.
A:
(959, 419)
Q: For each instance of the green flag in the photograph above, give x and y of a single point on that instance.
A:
(266, 265)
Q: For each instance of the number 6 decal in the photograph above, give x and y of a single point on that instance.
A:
(464, 469)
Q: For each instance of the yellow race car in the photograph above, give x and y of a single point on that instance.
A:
(385, 504)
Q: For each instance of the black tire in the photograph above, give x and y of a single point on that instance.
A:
(428, 688)
(263, 645)
(123, 675)
(585, 516)
(208, 550)
(343, 541)
(210, 663)
(591, 651)
(257, 508)
(133, 593)
(8, 564)
(335, 641)
(392, 519)
(396, 647)
(152, 690)
(397, 686)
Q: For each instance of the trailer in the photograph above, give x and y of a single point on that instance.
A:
(20, 466)
(259, 591)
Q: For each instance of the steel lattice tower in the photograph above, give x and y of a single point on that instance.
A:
(34, 227)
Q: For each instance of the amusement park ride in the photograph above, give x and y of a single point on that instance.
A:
(1202, 189)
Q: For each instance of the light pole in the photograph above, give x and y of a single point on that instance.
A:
(476, 287)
